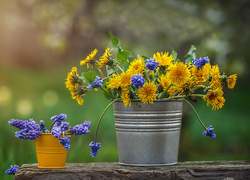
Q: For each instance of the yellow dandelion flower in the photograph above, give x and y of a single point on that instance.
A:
(231, 81)
(77, 95)
(89, 59)
(126, 97)
(215, 73)
(72, 77)
(104, 58)
(164, 81)
(147, 93)
(114, 82)
(215, 98)
(200, 75)
(126, 78)
(178, 74)
(137, 66)
(163, 59)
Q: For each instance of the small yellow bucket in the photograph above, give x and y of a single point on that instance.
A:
(50, 153)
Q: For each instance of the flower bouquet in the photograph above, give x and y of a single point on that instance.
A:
(148, 79)
(60, 131)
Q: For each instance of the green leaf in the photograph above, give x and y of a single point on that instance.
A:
(177, 60)
(122, 55)
(189, 59)
(115, 41)
(191, 54)
(191, 50)
(174, 53)
(145, 57)
(126, 65)
(127, 53)
(89, 76)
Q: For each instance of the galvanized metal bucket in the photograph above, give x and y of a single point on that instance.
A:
(148, 134)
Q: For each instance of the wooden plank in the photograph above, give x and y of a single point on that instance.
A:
(226, 170)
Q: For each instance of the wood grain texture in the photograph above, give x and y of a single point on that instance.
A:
(224, 170)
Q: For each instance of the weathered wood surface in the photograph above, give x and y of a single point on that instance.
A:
(212, 170)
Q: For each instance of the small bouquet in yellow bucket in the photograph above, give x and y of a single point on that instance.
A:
(161, 76)
(59, 129)
(51, 144)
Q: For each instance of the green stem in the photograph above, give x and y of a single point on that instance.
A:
(134, 96)
(196, 113)
(165, 92)
(98, 124)
(176, 97)
(52, 126)
(100, 71)
(119, 68)
(198, 95)
(198, 86)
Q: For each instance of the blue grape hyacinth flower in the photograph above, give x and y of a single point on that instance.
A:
(59, 118)
(56, 131)
(12, 170)
(80, 129)
(33, 134)
(65, 142)
(20, 124)
(96, 83)
(210, 132)
(43, 127)
(64, 126)
(151, 64)
(22, 134)
(137, 80)
(87, 124)
(94, 148)
(28, 129)
(199, 63)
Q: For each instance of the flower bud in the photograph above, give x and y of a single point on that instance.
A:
(110, 61)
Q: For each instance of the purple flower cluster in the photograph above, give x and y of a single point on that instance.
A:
(28, 129)
(137, 80)
(151, 64)
(97, 83)
(56, 131)
(31, 130)
(210, 132)
(82, 128)
(65, 142)
(200, 62)
(63, 127)
(94, 148)
(59, 126)
(43, 127)
(12, 170)
(59, 118)
(20, 124)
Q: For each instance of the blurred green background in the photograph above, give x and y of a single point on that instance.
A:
(40, 40)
